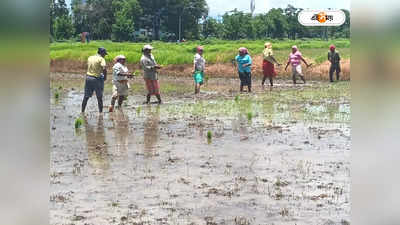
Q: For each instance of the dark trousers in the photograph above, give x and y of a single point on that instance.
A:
(332, 69)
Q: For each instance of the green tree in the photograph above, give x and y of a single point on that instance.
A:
(188, 13)
(260, 26)
(237, 25)
(63, 28)
(278, 23)
(80, 16)
(57, 8)
(212, 28)
(125, 13)
(293, 24)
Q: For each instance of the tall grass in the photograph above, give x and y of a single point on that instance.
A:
(215, 51)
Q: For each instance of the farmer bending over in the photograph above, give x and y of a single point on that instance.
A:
(95, 77)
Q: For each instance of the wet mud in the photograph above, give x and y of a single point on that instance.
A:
(270, 157)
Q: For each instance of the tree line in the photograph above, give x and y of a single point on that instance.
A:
(129, 20)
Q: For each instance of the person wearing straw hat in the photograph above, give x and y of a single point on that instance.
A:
(295, 59)
(95, 77)
(268, 64)
(244, 62)
(334, 59)
(199, 64)
(150, 75)
(120, 82)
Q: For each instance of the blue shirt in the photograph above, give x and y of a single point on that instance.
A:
(246, 59)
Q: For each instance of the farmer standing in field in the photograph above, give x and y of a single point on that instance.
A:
(95, 77)
(150, 67)
(244, 68)
(120, 82)
(199, 64)
(334, 59)
(295, 59)
(268, 64)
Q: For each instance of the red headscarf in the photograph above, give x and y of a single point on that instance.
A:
(199, 48)
(332, 47)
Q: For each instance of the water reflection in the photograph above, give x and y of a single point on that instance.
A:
(151, 130)
(96, 144)
(240, 127)
(121, 132)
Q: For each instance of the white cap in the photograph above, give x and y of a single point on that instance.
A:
(119, 57)
(147, 47)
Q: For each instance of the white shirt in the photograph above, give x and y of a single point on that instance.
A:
(199, 62)
(117, 69)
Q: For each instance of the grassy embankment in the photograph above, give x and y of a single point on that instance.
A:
(72, 56)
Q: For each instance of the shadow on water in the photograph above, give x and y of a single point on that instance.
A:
(120, 122)
(96, 144)
(151, 132)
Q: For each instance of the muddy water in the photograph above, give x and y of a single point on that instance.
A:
(266, 163)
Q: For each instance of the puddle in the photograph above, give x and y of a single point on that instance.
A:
(272, 158)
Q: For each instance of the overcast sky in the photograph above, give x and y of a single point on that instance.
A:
(219, 7)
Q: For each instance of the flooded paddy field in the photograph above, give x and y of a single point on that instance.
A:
(277, 156)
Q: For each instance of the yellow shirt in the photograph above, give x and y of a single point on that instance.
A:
(96, 65)
(267, 53)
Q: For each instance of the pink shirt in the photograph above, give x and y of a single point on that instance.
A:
(295, 58)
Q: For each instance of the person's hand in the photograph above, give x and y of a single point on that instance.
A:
(279, 64)
(245, 65)
(286, 69)
(309, 65)
(157, 67)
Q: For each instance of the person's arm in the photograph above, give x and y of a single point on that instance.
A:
(248, 63)
(302, 59)
(156, 66)
(105, 73)
(235, 62)
(146, 65)
(104, 65)
(194, 64)
(273, 58)
(287, 64)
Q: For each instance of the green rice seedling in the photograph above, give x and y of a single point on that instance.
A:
(78, 123)
(218, 51)
(57, 95)
(138, 110)
(249, 116)
(136, 73)
(209, 136)
(237, 98)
